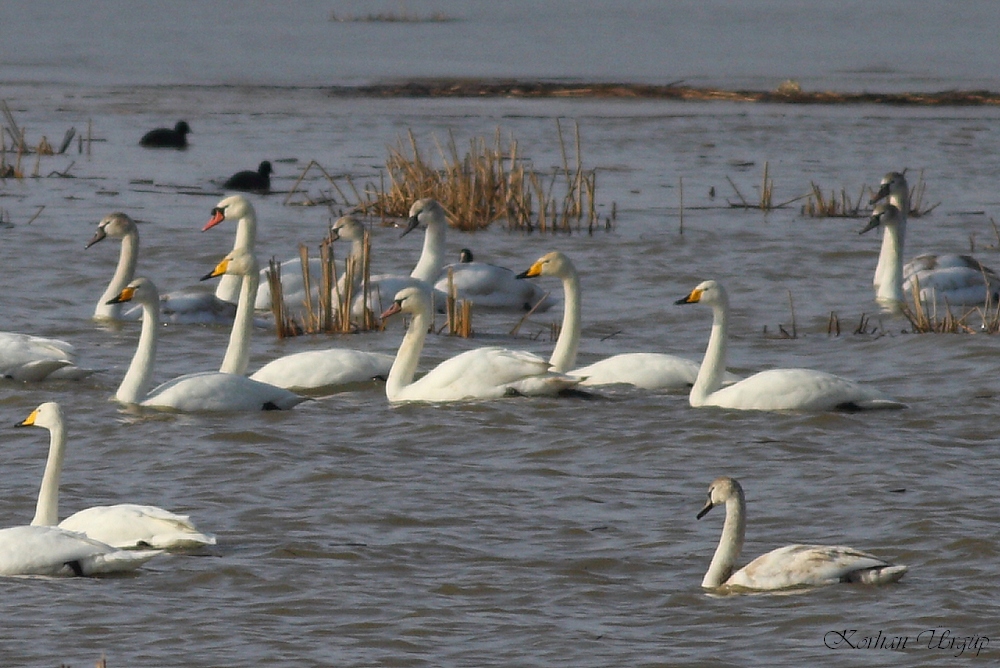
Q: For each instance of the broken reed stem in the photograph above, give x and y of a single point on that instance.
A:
(791, 306)
(277, 297)
(680, 181)
(311, 319)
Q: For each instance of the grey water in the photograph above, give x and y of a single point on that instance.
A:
(519, 532)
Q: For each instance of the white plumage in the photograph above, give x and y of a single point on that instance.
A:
(773, 390)
(483, 373)
(121, 526)
(785, 567)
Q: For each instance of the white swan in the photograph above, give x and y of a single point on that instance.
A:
(124, 525)
(187, 306)
(483, 373)
(381, 288)
(958, 280)
(206, 391)
(773, 390)
(785, 567)
(33, 358)
(492, 287)
(34, 550)
(651, 371)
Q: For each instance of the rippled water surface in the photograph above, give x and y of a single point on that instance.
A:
(518, 532)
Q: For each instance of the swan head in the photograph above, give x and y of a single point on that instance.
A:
(893, 183)
(413, 300)
(140, 291)
(883, 214)
(48, 415)
(116, 225)
(347, 227)
(240, 262)
(550, 264)
(233, 207)
(427, 212)
(720, 491)
(708, 292)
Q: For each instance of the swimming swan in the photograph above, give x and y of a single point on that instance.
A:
(188, 306)
(785, 567)
(959, 280)
(33, 358)
(483, 373)
(650, 371)
(125, 525)
(773, 390)
(492, 287)
(305, 371)
(206, 391)
(51, 551)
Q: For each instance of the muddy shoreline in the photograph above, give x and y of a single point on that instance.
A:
(787, 93)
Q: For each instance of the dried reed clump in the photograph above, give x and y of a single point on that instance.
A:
(332, 312)
(917, 192)
(22, 148)
(925, 318)
(817, 205)
(766, 200)
(490, 182)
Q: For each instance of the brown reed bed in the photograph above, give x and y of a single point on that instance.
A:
(818, 205)
(22, 148)
(489, 182)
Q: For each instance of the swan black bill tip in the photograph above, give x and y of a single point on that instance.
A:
(411, 224)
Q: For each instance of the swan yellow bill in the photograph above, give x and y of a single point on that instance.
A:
(219, 270)
(533, 271)
(124, 296)
(30, 420)
(693, 297)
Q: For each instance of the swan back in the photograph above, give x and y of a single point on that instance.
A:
(483, 373)
(51, 551)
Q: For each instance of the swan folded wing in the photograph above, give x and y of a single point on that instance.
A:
(316, 369)
(51, 551)
(958, 285)
(194, 306)
(32, 358)
(649, 371)
(490, 286)
(212, 391)
(129, 526)
(799, 389)
(483, 373)
(814, 566)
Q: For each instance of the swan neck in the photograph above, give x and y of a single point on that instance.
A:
(564, 354)
(404, 367)
(124, 272)
(47, 508)
(730, 544)
(138, 379)
(890, 289)
(229, 286)
(237, 358)
(713, 366)
(432, 256)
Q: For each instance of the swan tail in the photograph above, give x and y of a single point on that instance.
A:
(113, 562)
(879, 575)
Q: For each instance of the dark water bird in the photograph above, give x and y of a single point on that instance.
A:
(167, 138)
(248, 181)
